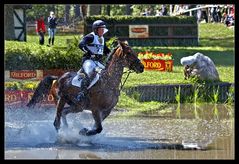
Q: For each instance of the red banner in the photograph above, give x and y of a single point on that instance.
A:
(15, 75)
(160, 65)
(23, 74)
(21, 98)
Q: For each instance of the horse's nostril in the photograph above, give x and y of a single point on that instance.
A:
(142, 67)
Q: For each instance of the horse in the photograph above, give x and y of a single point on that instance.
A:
(102, 96)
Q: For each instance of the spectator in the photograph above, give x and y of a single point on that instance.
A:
(214, 14)
(158, 13)
(204, 14)
(41, 29)
(146, 12)
(219, 14)
(164, 10)
(199, 15)
(229, 21)
(52, 22)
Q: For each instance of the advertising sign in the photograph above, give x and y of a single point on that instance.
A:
(20, 98)
(15, 75)
(138, 31)
(160, 65)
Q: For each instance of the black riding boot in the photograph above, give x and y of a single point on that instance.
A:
(52, 41)
(82, 94)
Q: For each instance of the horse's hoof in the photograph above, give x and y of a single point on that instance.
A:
(91, 132)
(57, 129)
(83, 131)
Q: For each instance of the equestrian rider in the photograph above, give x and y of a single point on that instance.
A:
(93, 44)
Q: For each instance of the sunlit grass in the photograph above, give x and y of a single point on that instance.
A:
(216, 35)
(60, 40)
(226, 74)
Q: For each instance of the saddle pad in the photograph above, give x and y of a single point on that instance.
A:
(76, 81)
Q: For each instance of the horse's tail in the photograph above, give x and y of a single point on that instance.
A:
(42, 90)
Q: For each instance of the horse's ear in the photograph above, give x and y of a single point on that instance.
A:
(126, 42)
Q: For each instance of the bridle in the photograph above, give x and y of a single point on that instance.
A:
(131, 66)
(129, 71)
(122, 84)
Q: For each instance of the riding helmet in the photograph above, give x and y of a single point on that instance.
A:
(98, 24)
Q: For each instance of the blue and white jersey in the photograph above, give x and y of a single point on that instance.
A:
(97, 46)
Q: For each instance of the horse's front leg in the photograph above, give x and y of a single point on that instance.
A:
(60, 105)
(97, 128)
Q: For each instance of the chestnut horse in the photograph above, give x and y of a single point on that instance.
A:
(102, 96)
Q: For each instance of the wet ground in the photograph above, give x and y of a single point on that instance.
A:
(205, 132)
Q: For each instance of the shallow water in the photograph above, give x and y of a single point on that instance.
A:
(185, 132)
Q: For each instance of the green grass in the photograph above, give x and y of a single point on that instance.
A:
(60, 40)
(216, 35)
(226, 74)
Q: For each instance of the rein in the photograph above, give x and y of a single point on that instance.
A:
(122, 84)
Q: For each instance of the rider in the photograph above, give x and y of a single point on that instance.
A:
(93, 44)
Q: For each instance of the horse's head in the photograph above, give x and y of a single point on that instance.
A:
(131, 60)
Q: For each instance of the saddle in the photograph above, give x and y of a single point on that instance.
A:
(76, 81)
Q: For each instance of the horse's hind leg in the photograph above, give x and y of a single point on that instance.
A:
(64, 112)
(60, 105)
(67, 110)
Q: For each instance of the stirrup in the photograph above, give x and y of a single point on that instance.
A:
(82, 75)
(81, 96)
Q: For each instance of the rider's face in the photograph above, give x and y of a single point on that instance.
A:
(100, 31)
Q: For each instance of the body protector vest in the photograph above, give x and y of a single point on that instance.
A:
(97, 46)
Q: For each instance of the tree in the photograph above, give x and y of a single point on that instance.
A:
(128, 9)
(50, 8)
(77, 11)
(84, 10)
(9, 33)
(67, 14)
(94, 10)
(108, 9)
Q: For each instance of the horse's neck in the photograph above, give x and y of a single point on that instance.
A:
(114, 74)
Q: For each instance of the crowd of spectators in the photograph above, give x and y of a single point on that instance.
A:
(207, 13)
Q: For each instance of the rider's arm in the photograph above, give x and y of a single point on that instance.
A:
(85, 41)
(106, 49)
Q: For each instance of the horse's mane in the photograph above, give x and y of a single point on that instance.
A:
(114, 56)
(110, 57)
(116, 44)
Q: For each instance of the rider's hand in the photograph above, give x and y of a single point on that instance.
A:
(91, 54)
